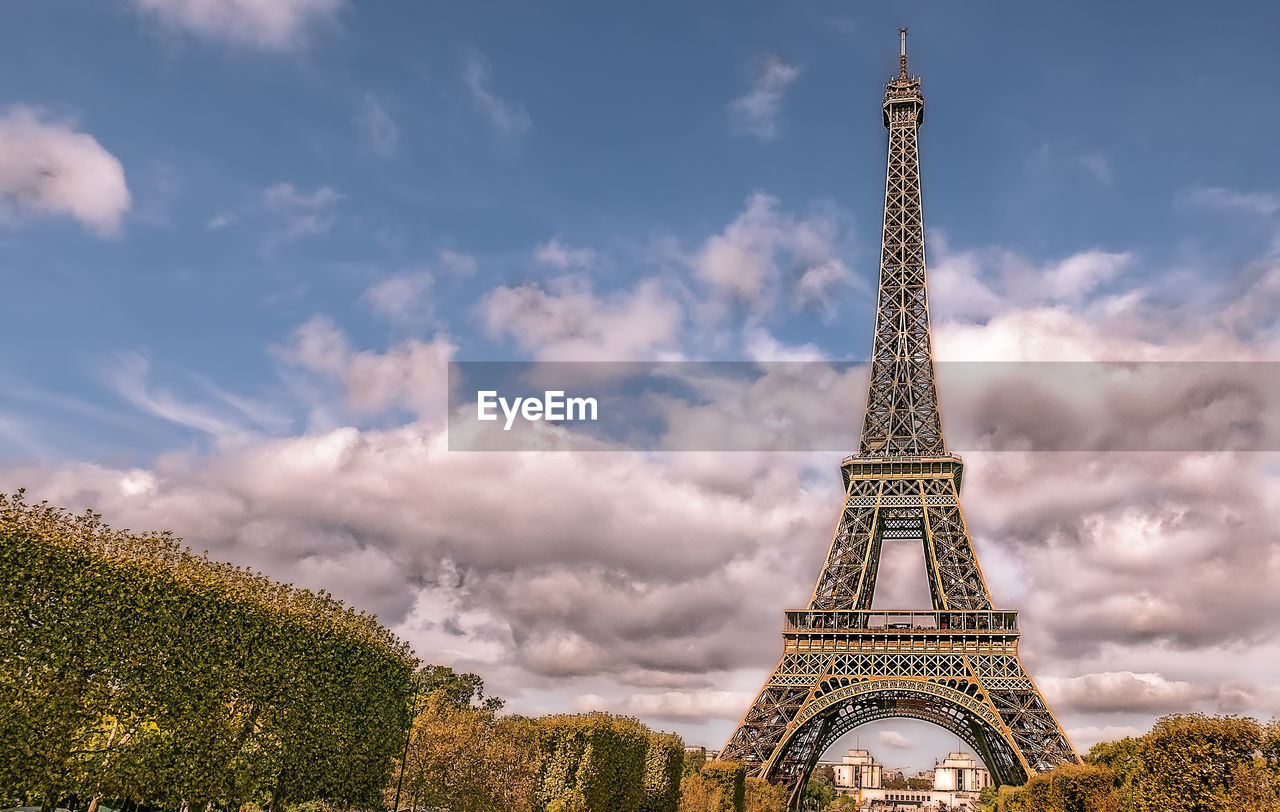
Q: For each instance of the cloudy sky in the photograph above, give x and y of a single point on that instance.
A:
(241, 240)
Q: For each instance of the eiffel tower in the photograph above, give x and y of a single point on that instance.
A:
(843, 664)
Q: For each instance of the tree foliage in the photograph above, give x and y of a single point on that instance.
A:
(663, 765)
(1187, 763)
(133, 669)
(596, 762)
(463, 757)
(718, 786)
(761, 796)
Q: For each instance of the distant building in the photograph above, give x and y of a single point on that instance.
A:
(956, 783)
(858, 770)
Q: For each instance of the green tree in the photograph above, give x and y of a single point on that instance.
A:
(663, 765)
(726, 785)
(761, 796)
(1189, 761)
(987, 799)
(823, 794)
(592, 762)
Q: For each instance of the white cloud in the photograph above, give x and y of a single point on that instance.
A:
(378, 130)
(894, 740)
(48, 167)
(267, 24)
(300, 214)
(409, 375)
(690, 705)
(746, 259)
(128, 376)
(756, 113)
(508, 117)
(1126, 691)
(220, 221)
(1263, 204)
(817, 285)
(400, 296)
(570, 323)
(457, 262)
(563, 257)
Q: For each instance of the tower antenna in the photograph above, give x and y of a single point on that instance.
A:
(902, 54)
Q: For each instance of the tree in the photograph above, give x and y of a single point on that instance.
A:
(819, 792)
(1189, 761)
(1121, 757)
(987, 799)
(663, 765)
(592, 762)
(761, 796)
(1254, 788)
(462, 757)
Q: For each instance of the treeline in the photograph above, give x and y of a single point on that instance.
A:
(463, 756)
(1187, 763)
(134, 670)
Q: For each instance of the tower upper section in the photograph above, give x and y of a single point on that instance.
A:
(902, 418)
(903, 101)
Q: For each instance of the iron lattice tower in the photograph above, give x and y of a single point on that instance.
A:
(955, 665)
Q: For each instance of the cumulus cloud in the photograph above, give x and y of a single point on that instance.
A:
(745, 261)
(1142, 579)
(563, 257)
(400, 296)
(756, 113)
(275, 25)
(690, 705)
(411, 375)
(508, 117)
(1126, 692)
(567, 321)
(48, 167)
(894, 740)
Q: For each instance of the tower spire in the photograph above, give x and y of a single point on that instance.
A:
(902, 58)
(902, 406)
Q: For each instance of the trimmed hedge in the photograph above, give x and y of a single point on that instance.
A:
(592, 762)
(663, 763)
(133, 669)
(726, 783)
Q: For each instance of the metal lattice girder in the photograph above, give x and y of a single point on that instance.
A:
(960, 669)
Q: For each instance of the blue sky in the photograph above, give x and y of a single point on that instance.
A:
(270, 223)
(1048, 129)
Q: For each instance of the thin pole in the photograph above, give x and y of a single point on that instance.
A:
(413, 712)
(902, 54)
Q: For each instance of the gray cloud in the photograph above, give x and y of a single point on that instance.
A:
(666, 573)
